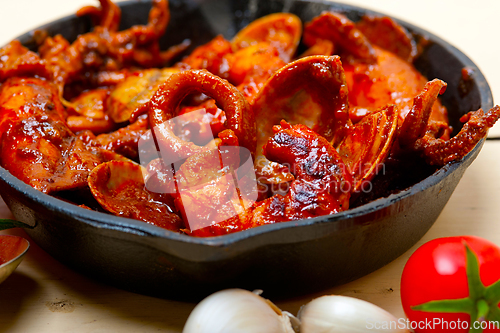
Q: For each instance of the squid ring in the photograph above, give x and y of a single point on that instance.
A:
(163, 107)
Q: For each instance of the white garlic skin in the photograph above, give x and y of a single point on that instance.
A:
(236, 311)
(331, 314)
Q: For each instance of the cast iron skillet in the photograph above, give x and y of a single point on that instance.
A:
(285, 258)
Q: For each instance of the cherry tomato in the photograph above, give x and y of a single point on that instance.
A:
(452, 284)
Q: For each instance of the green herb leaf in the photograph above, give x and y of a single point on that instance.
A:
(8, 224)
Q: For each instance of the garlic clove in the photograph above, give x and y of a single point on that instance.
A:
(294, 321)
(237, 310)
(329, 314)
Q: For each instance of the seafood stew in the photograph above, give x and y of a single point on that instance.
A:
(287, 257)
(114, 120)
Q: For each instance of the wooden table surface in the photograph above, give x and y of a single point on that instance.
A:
(44, 296)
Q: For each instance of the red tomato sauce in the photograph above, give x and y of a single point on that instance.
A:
(11, 247)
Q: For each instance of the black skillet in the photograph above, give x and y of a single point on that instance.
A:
(285, 258)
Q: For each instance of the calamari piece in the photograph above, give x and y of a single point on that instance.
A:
(210, 56)
(368, 145)
(65, 60)
(390, 80)
(200, 168)
(96, 126)
(158, 177)
(389, 35)
(37, 146)
(310, 91)
(281, 30)
(322, 185)
(46, 155)
(17, 60)
(123, 141)
(119, 188)
(135, 91)
(91, 103)
(108, 78)
(89, 112)
(206, 190)
(311, 158)
(415, 124)
(430, 137)
(109, 50)
(24, 97)
(107, 16)
(144, 39)
(208, 165)
(158, 19)
(438, 151)
(200, 130)
(163, 107)
(210, 187)
(204, 207)
(342, 32)
(226, 217)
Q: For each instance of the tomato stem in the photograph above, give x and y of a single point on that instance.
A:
(492, 292)
(476, 286)
(483, 308)
(462, 305)
(494, 314)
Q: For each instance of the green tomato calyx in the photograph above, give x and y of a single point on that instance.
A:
(482, 302)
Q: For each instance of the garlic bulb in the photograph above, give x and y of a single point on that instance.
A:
(237, 310)
(328, 314)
